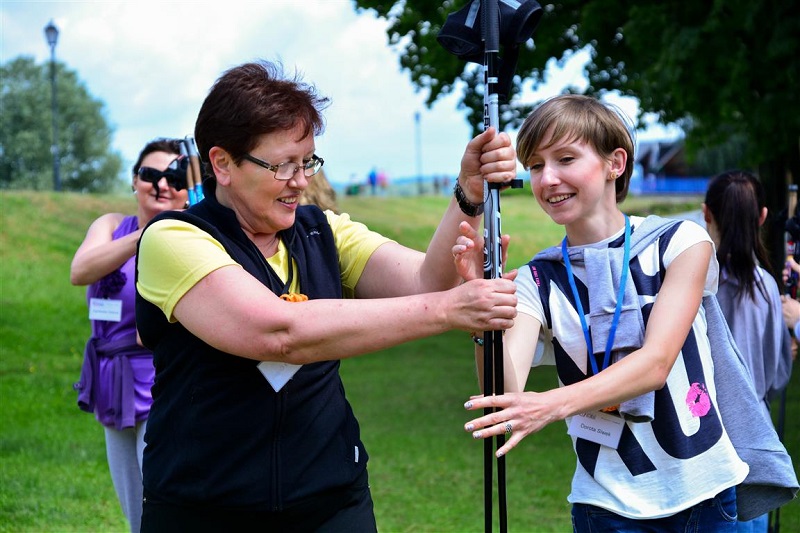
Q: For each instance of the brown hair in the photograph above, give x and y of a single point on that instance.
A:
(736, 199)
(252, 100)
(579, 117)
(170, 146)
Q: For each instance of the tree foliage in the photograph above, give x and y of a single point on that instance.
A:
(87, 163)
(723, 70)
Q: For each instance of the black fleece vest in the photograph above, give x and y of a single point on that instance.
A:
(218, 434)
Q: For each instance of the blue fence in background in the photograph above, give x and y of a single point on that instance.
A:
(695, 185)
(668, 185)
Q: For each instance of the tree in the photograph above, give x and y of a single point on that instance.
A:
(721, 70)
(87, 162)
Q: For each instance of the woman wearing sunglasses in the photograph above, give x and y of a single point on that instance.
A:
(250, 300)
(117, 372)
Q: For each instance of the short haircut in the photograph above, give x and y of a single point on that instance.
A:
(582, 118)
(252, 100)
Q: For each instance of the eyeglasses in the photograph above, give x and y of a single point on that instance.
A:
(286, 171)
(175, 174)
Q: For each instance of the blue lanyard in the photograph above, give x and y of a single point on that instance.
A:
(615, 321)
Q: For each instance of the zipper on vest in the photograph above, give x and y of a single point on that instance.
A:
(276, 453)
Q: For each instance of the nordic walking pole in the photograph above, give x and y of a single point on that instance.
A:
(194, 164)
(490, 29)
(473, 34)
(190, 179)
(493, 340)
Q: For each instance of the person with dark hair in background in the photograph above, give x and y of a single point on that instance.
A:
(250, 300)
(117, 372)
(734, 210)
(657, 402)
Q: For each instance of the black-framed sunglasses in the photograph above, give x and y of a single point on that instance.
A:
(286, 171)
(175, 174)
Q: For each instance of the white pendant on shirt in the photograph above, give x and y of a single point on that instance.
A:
(603, 428)
(277, 373)
(105, 309)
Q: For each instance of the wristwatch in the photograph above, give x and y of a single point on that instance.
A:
(467, 207)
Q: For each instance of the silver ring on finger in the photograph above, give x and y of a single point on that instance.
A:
(509, 428)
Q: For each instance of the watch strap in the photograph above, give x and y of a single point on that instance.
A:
(467, 207)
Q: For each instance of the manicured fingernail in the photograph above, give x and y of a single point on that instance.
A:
(470, 427)
(476, 435)
(468, 405)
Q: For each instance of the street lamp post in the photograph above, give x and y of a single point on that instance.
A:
(51, 33)
(420, 187)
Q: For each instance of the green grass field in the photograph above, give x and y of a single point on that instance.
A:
(426, 472)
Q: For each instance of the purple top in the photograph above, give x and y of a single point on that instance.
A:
(108, 287)
(121, 405)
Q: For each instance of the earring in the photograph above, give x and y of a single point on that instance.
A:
(613, 176)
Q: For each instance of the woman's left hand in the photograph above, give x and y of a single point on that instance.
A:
(489, 156)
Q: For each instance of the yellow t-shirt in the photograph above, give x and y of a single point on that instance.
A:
(175, 255)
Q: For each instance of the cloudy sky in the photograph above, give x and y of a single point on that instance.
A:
(152, 63)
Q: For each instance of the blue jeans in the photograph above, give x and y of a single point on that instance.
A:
(756, 525)
(717, 514)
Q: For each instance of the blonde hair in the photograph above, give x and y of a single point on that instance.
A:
(320, 193)
(581, 118)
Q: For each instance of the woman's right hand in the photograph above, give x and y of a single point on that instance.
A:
(516, 414)
(468, 252)
(484, 304)
(100, 254)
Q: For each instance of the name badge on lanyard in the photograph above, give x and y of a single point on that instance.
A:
(603, 428)
(105, 309)
(597, 426)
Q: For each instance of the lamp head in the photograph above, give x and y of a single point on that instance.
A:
(51, 33)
